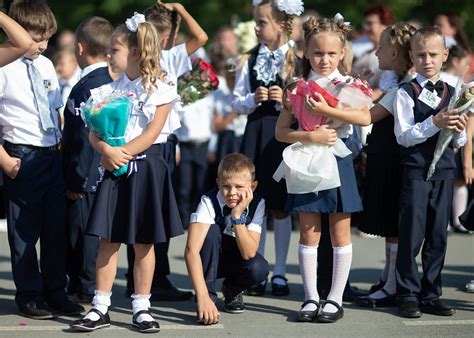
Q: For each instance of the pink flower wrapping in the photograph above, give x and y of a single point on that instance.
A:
(308, 120)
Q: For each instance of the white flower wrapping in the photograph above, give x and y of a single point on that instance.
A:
(290, 7)
(133, 22)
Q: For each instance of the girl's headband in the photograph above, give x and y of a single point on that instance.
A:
(290, 7)
(133, 22)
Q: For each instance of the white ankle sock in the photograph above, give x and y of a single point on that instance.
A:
(101, 302)
(460, 196)
(308, 259)
(342, 259)
(282, 243)
(139, 303)
(391, 283)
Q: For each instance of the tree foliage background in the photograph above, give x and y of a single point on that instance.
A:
(212, 14)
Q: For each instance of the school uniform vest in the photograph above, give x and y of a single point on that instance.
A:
(420, 156)
(229, 242)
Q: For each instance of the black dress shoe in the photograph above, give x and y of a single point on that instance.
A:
(437, 307)
(36, 310)
(409, 309)
(170, 294)
(278, 289)
(368, 301)
(330, 317)
(87, 325)
(256, 290)
(65, 307)
(351, 293)
(307, 316)
(233, 300)
(378, 286)
(145, 326)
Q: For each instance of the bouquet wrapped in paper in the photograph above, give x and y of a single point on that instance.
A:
(310, 168)
(107, 114)
(198, 83)
(464, 103)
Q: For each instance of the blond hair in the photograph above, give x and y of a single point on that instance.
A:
(235, 164)
(314, 26)
(399, 35)
(147, 42)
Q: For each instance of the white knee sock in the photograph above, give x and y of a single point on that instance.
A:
(384, 275)
(308, 259)
(391, 283)
(460, 196)
(282, 243)
(342, 259)
(101, 302)
(139, 303)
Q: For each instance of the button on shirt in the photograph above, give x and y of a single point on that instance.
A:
(19, 118)
(206, 214)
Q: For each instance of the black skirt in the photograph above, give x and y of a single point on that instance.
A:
(344, 199)
(381, 196)
(260, 145)
(140, 208)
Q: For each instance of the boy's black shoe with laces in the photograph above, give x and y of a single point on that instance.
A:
(36, 310)
(233, 301)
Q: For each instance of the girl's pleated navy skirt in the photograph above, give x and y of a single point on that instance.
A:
(344, 199)
(139, 208)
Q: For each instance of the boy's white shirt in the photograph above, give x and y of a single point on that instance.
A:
(206, 214)
(19, 119)
(407, 132)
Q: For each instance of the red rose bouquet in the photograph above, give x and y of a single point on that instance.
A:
(198, 83)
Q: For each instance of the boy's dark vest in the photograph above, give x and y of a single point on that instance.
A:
(421, 155)
(229, 242)
(266, 108)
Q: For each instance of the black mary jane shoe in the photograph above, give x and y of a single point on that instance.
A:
(145, 326)
(330, 317)
(88, 325)
(278, 289)
(308, 316)
(367, 301)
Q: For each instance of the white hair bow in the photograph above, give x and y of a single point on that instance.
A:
(133, 22)
(339, 17)
(290, 7)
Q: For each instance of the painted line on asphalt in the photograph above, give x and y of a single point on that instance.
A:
(438, 322)
(112, 327)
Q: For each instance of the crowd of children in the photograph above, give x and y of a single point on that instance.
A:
(60, 185)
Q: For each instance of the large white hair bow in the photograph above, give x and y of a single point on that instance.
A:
(133, 22)
(290, 7)
(339, 17)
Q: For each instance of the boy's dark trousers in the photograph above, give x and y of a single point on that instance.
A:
(425, 207)
(35, 206)
(221, 258)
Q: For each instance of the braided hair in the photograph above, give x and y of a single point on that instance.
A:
(399, 35)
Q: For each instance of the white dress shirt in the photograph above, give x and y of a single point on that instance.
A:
(19, 118)
(197, 121)
(409, 133)
(89, 69)
(206, 214)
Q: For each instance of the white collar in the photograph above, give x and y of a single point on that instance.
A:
(89, 69)
(336, 74)
(422, 81)
(283, 48)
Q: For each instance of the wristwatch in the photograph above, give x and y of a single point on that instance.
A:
(241, 220)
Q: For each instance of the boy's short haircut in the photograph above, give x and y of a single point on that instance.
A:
(235, 164)
(160, 17)
(425, 33)
(95, 32)
(34, 16)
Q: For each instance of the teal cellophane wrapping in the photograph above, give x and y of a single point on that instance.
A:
(108, 119)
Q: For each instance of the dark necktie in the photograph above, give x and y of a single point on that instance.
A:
(226, 210)
(438, 86)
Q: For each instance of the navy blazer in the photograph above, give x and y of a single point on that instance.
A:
(81, 162)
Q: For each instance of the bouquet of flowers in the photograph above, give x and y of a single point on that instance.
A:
(463, 102)
(198, 83)
(107, 114)
(353, 93)
(246, 37)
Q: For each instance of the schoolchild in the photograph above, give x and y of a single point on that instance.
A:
(324, 50)
(81, 162)
(33, 180)
(175, 61)
(263, 72)
(425, 205)
(137, 208)
(18, 40)
(383, 170)
(223, 239)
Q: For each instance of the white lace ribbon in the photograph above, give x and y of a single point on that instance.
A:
(133, 22)
(290, 7)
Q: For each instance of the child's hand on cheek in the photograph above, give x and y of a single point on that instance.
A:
(275, 93)
(317, 105)
(244, 202)
(261, 95)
